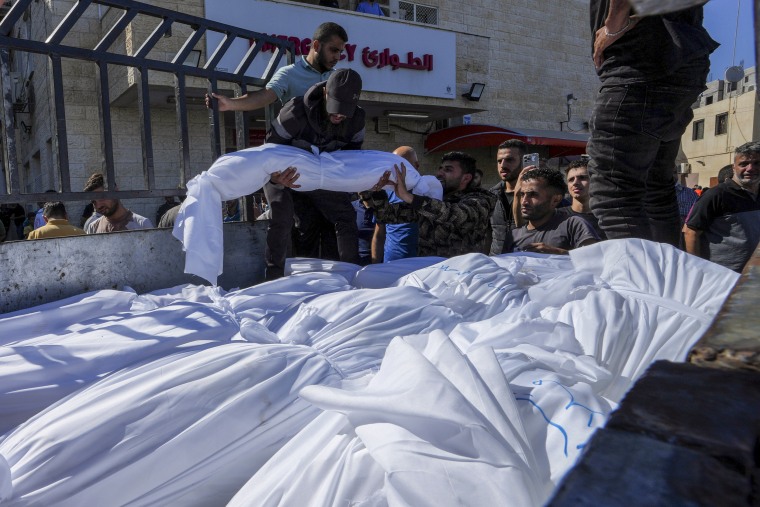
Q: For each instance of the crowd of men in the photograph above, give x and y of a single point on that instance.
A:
(625, 189)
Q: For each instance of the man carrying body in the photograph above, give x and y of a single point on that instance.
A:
(508, 163)
(546, 231)
(652, 70)
(577, 186)
(115, 217)
(291, 81)
(396, 241)
(724, 225)
(56, 223)
(327, 118)
(455, 226)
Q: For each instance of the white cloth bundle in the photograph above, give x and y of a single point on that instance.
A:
(188, 429)
(199, 221)
(36, 372)
(432, 428)
(487, 397)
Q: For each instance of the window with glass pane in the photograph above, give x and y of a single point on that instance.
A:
(698, 130)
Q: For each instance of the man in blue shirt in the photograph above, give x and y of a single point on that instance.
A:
(396, 241)
(291, 81)
(370, 7)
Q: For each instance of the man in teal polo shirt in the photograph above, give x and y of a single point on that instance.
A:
(293, 80)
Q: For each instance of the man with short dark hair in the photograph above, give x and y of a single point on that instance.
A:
(546, 231)
(726, 173)
(577, 179)
(724, 225)
(326, 119)
(293, 80)
(115, 217)
(56, 223)
(39, 221)
(509, 156)
(454, 226)
(168, 204)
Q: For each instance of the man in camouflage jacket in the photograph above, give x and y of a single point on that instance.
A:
(454, 226)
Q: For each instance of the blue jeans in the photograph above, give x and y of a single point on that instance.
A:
(636, 133)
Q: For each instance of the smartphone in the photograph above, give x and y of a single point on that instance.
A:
(530, 159)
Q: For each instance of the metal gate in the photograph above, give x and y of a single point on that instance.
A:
(166, 22)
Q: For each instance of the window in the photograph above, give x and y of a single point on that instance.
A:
(731, 87)
(721, 124)
(698, 130)
(708, 100)
(419, 13)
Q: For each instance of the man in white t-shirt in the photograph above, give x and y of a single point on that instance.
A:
(115, 217)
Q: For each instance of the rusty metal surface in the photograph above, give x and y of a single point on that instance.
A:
(733, 340)
(42, 271)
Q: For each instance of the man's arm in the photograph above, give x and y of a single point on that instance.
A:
(691, 240)
(378, 244)
(517, 200)
(386, 212)
(248, 102)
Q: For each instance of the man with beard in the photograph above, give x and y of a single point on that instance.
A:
(547, 231)
(724, 225)
(115, 217)
(291, 81)
(509, 156)
(454, 226)
(327, 118)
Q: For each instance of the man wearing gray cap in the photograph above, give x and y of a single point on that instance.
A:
(327, 118)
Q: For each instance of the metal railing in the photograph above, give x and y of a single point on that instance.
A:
(55, 48)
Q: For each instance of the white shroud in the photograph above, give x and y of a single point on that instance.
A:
(199, 221)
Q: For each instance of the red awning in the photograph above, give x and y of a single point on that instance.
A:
(462, 137)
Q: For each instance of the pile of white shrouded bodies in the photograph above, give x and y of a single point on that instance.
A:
(424, 382)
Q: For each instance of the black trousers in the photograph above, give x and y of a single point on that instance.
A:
(319, 207)
(279, 244)
(636, 133)
(308, 212)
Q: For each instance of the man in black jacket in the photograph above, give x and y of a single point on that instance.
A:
(509, 156)
(327, 118)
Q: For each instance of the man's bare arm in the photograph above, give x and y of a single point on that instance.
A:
(691, 240)
(378, 244)
(248, 102)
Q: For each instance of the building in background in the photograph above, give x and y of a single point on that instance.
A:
(726, 116)
(438, 76)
